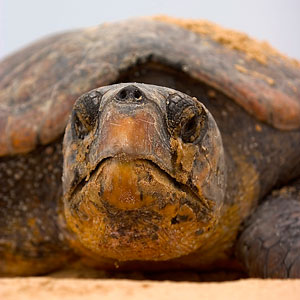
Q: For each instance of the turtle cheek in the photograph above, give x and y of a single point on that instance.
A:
(208, 175)
(201, 166)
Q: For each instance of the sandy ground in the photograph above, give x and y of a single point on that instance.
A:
(81, 282)
(57, 288)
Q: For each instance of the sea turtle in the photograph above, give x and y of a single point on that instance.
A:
(195, 167)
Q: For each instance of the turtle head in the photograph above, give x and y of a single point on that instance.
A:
(144, 173)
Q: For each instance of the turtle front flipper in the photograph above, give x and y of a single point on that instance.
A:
(32, 241)
(270, 244)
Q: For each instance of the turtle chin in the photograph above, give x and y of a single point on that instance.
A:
(133, 210)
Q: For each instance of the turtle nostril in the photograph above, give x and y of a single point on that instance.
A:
(130, 93)
(137, 95)
(123, 95)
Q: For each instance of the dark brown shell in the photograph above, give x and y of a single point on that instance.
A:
(39, 84)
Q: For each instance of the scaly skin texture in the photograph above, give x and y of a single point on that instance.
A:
(270, 243)
(32, 239)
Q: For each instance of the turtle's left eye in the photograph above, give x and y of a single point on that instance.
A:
(85, 113)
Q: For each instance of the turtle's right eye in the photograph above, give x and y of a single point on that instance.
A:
(190, 129)
(186, 118)
(85, 113)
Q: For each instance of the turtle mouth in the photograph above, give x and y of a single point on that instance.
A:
(123, 158)
(131, 209)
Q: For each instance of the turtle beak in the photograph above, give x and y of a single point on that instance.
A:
(128, 132)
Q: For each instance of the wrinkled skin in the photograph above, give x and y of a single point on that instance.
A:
(144, 173)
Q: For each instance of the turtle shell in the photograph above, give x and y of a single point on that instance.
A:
(39, 84)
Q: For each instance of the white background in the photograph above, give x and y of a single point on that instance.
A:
(276, 21)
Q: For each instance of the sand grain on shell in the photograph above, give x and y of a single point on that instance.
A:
(259, 51)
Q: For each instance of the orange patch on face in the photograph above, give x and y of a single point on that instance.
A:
(131, 210)
(122, 184)
(136, 135)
